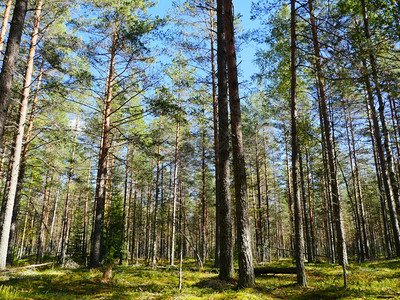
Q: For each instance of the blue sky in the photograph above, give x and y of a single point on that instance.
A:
(246, 55)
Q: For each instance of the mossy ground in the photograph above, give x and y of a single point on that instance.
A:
(372, 280)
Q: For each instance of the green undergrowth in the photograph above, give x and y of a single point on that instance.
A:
(372, 280)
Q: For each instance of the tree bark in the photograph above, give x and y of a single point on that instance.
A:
(298, 218)
(24, 158)
(181, 234)
(383, 166)
(203, 251)
(5, 233)
(216, 140)
(268, 224)
(128, 220)
(53, 223)
(305, 209)
(134, 214)
(359, 193)
(175, 194)
(124, 208)
(162, 208)
(386, 230)
(3, 157)
(289, 195)
(100, 197)
(260, 210)
(10, 60)
(395, 123)
(72, 216)
(327, 194)
(108, 205)
(314, 241)
(65, 224)
(47, 212)
(22, 244)
(42, 232)
(255, 215)
(276, 219)
(5, 23)
(387, 144)
(156, 200)
(8, 180)
(337, 209)
(226, 270)
(359, 236)
(245, 257)
(383, 162)
(85, 213)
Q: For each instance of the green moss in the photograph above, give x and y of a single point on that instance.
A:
(378, 279)
(8, 292)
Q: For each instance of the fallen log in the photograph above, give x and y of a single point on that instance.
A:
(26, 267)
(274, 270)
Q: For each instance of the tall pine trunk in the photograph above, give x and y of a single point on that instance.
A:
(10, 62)
(359, 193)
(215, 130)
(226, 271)
(22, 169)
(298, 220)
(5, 233)
(245, 256)
(337, 206)
(387, 143)
(355, 203)
(108, 205)
(383, 161)
(100, 197)
(386, 230)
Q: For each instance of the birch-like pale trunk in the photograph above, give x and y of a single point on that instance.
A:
(5, 232)
(175, 194)
(154, 245)
(65, 225)
(6, 16)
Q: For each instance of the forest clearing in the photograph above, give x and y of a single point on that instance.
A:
(200, 149)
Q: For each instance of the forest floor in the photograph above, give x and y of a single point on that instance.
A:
(371, 280)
